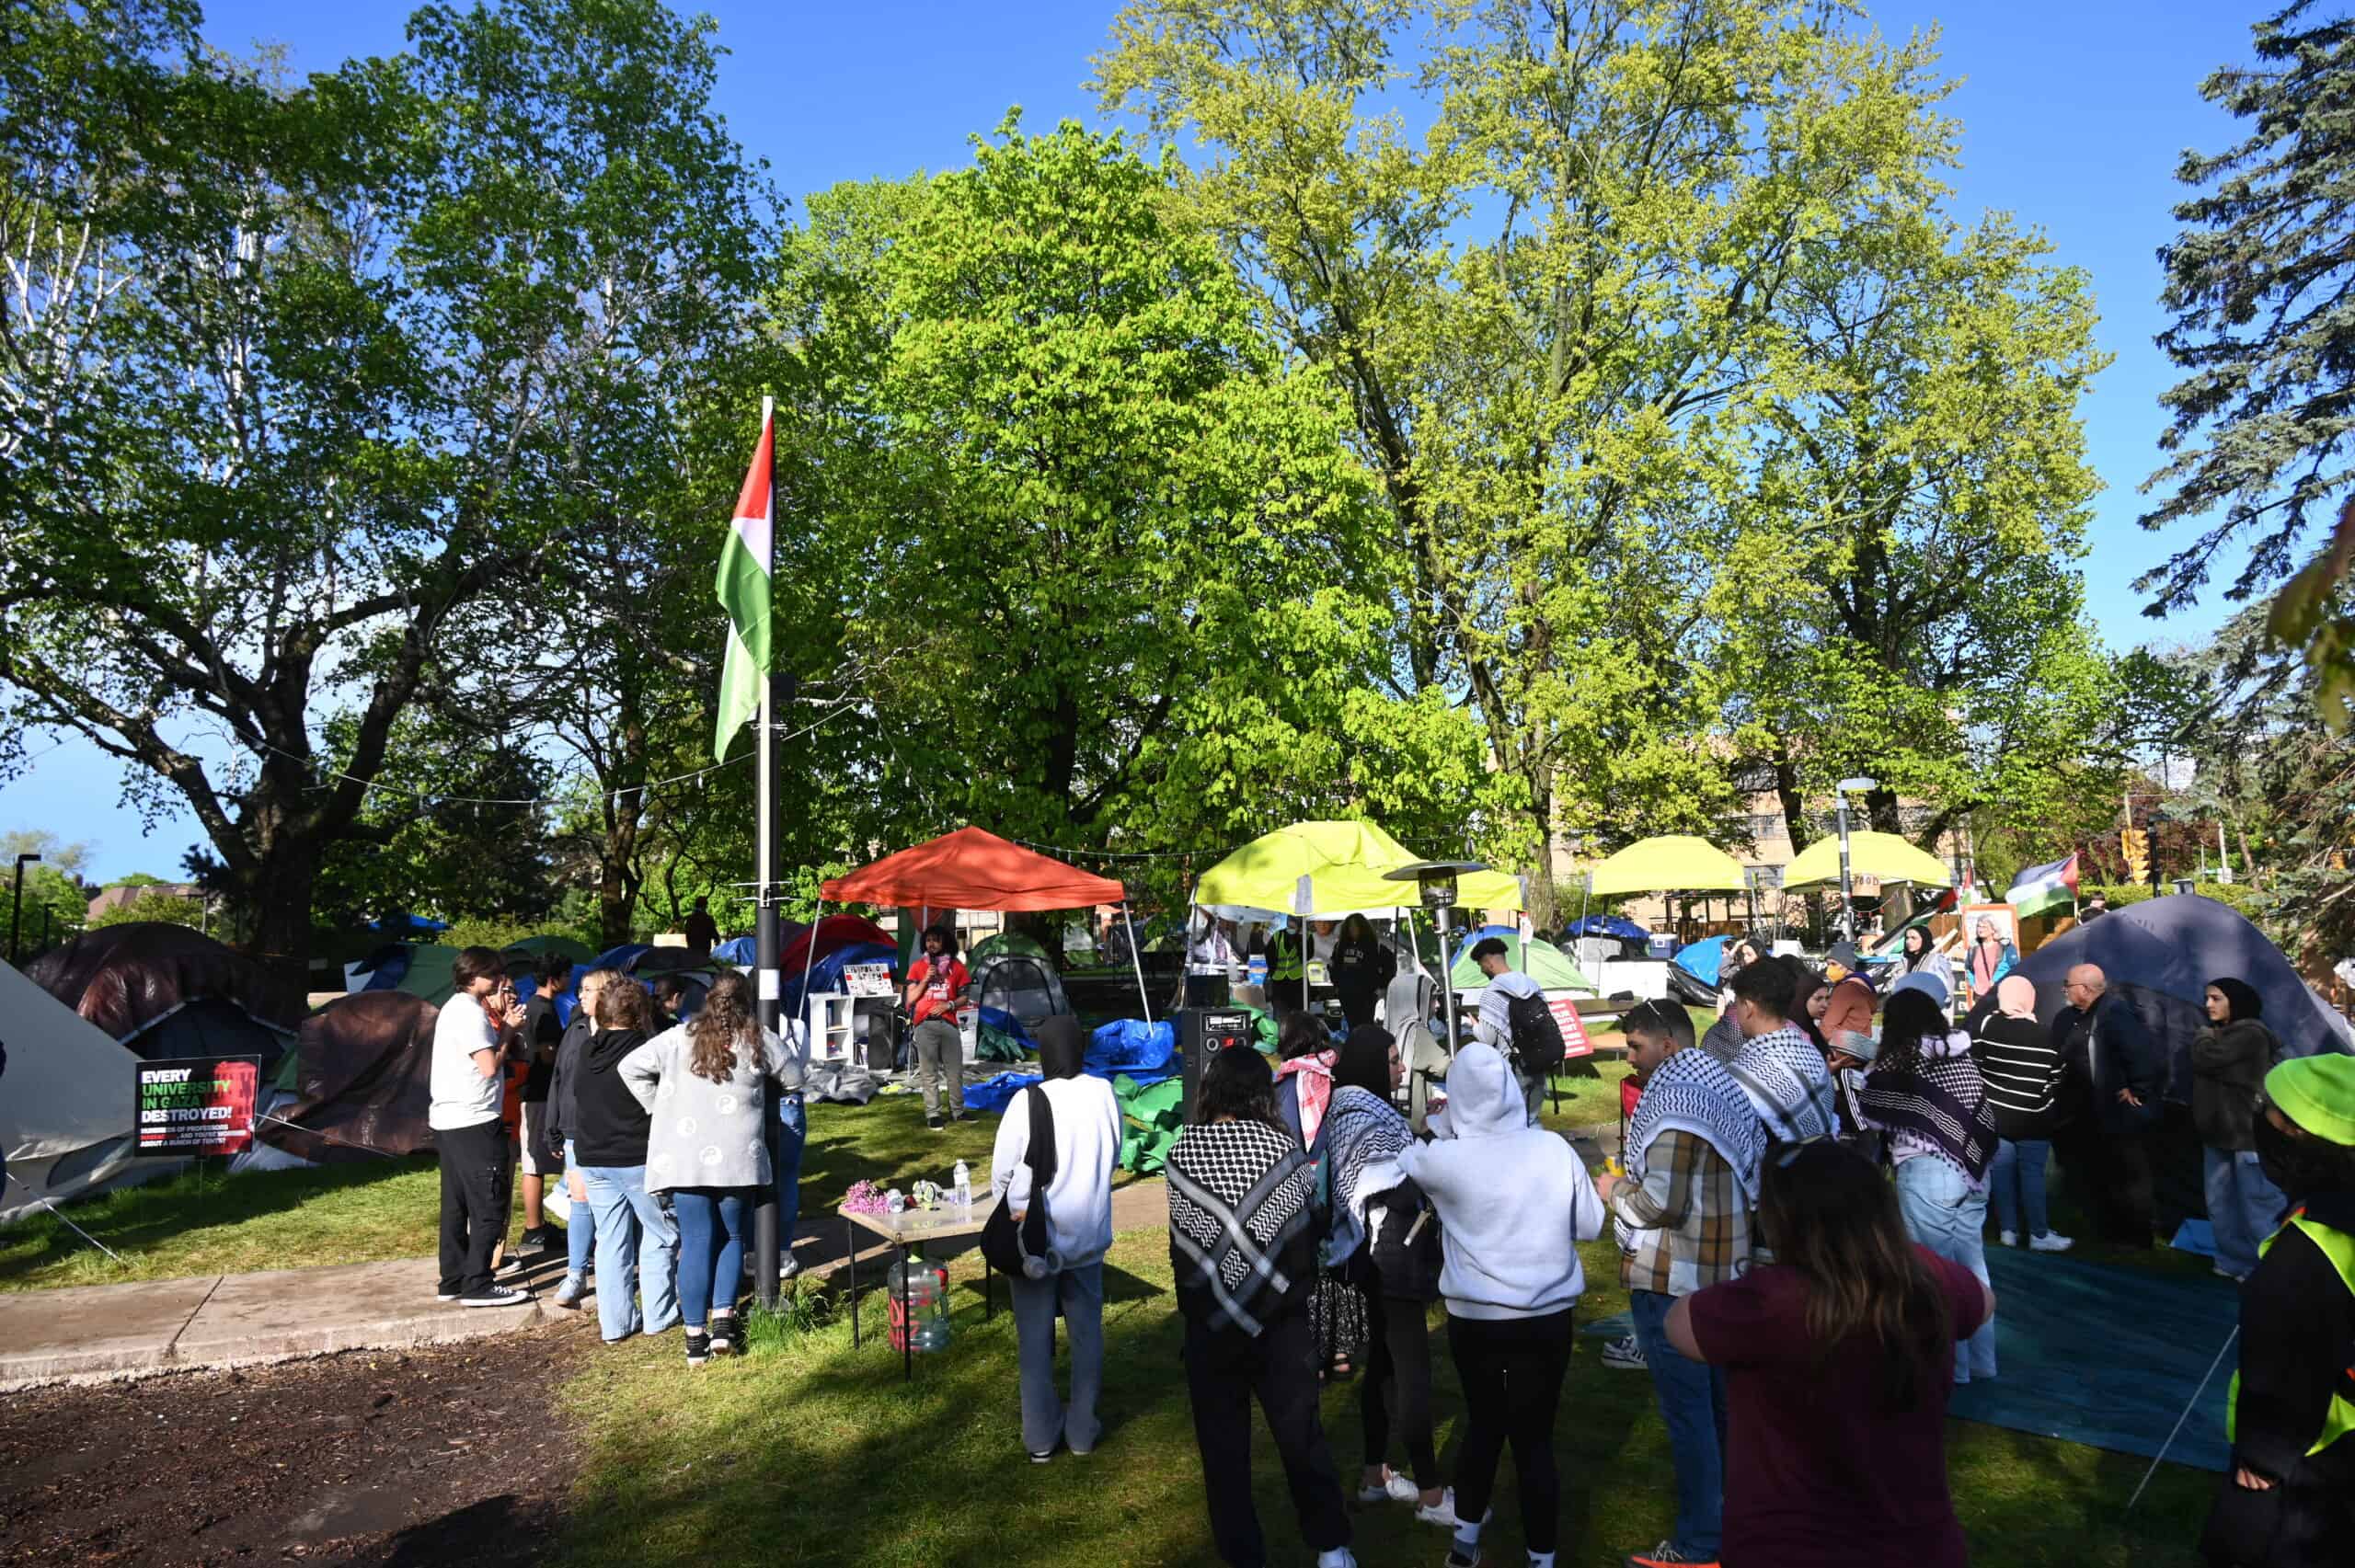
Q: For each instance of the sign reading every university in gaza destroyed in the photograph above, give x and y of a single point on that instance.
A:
(197, 1104)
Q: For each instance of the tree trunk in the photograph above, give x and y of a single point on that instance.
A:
(1542, 894)
(1787, 791)
(276, 891)
(1881, 813)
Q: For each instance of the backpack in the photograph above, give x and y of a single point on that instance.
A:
(1401, 1255)
(1537, 1046)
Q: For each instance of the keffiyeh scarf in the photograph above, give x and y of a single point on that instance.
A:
(1933, 1098)
(1365, 1130)
(1691, 1091)
(1786, 1082)
(1314, 1074)
(1238, 1192)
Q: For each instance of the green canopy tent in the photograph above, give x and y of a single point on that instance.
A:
(1552, 968)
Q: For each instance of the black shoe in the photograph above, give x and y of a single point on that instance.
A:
(547, 1239)
(496, 1296)
(965, 1116)
(936, 1123)
(1042, 1456)
(699, 1348)
(723, 1334)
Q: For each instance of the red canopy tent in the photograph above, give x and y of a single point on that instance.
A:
(973, 869)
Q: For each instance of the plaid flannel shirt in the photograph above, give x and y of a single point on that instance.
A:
(1690, 1217)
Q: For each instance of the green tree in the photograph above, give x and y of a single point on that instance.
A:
(171, 908)
(1565, 317)
(2259, 282)
(303, 417)
(1114, 563)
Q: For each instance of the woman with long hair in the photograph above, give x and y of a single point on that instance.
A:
(1838, 1358)
(1243, 1246)
(1363, 1133)
(1305, 1055)
(704, 1086)
(1924, 1093)
(2229, 1060)
(1086, 1126)
(1811, 1003)
(1363, 966)
(564, 1114)
(638, 1249)
(1917, 954)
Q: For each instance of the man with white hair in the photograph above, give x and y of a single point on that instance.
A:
(2100, 1033)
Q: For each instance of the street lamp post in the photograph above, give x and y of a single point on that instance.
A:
(17, 907)
(1847, 883)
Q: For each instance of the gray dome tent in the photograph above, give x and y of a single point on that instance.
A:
(1017, 984)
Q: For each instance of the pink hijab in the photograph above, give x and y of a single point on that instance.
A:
(2016, 996)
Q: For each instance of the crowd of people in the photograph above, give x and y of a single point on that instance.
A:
(1800, 1223)
(666, 1134)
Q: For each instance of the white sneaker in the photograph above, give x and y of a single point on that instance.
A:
(2050, 1242)
(1339, 1557)
(1624, 1354)
(2008, 1238)
(1395, 1488)
(1444, 1511)
(496, 1296)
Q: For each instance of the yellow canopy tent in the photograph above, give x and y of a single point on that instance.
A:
(1344, 863)
(1885, 857)
(1672, 862)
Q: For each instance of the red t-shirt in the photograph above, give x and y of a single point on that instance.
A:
(1818, 1475)
(941, 984)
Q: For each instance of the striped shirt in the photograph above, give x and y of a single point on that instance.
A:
(2022, 1068)
(1689, 1219)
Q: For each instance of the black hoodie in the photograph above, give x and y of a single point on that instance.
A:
(612, 1125)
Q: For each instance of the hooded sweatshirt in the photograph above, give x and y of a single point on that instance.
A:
(1086, 1115)
(612, 1128)
(1513, 1200)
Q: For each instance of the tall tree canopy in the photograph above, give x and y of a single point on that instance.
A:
(2262, 284)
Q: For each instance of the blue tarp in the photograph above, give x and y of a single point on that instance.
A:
(2106, 1356)
(1007, 1023)
(619, 958)
(404, 923)
(1704, 960)
(994, 1094)
(1130, 1046)
(741, 951)
(826, 974)
(1607, 925)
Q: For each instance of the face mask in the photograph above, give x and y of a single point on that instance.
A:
(2299, 1166)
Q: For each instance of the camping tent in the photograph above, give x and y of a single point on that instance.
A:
(1019, 984)
(2161, 954)
(165, 990)
(66, 1102)
(1004, 942)
(1552, 968)
(1346, 864)
(361, 1078)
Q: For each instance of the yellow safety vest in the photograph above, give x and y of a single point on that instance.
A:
(2339, 1248)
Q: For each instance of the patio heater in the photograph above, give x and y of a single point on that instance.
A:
(1847, 885)
(1436, 881)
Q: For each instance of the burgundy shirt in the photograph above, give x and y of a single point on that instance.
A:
(1818, 1475)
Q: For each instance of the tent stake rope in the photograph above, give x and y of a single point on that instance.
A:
(2179, 1420)
(328, 1137)
(45, 1202)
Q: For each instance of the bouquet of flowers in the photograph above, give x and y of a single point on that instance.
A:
(864, 1197)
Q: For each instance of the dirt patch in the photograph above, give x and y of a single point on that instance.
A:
(442, 1455)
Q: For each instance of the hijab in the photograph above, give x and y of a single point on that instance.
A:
(2242, 996)
(1063, 1049)
(2016, 996)
(1365, 1061)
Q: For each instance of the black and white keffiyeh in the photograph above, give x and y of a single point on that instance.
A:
(1691, 1091)
(1360, 1129)
(1238, 1192)
(1787, 1084)
(1934, 1096)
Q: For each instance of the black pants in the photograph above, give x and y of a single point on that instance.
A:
(474, 1203)
(1511, 1369)
(1225, 1367)
(2304, 1520)
(2120, 1199)
(1357, 1008)
(1401, 1359)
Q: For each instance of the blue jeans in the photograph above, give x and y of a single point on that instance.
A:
(579, 1228)
(2015, 1185)
(2243, 1208)
(637, 1248)
(793, 1133)
(1943, 1214)
(711, 1219)
(1692, 1403)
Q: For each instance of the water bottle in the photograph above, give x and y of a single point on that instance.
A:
(964, 1191)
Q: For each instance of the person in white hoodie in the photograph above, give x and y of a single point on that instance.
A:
(1513, 1202)
(1086, 1119)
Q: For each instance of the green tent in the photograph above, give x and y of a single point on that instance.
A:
(1542, 961)
(433, 973)
(1004, 942)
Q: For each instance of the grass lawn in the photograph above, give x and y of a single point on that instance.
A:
(807, 1448)
(203, 1222)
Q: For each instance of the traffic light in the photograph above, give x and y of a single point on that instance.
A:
(2136, 843)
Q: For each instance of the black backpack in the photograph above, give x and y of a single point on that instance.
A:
(1537, 1046)
(1401, 1255)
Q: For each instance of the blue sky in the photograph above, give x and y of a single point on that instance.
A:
(2073, 116)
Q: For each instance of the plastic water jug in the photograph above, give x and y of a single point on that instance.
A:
(963, 1192)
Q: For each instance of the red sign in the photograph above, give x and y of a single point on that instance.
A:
(197, 1104)
(1574, 1040)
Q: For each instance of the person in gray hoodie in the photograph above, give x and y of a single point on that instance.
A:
(704, 1085)
(1513, 1202)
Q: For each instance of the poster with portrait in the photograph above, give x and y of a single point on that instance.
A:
(1976, 971)
(2003, 918)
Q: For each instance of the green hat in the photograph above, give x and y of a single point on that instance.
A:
(2318, 1094)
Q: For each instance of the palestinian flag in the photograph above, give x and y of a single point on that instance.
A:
(745, 591)
(2042, 888)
